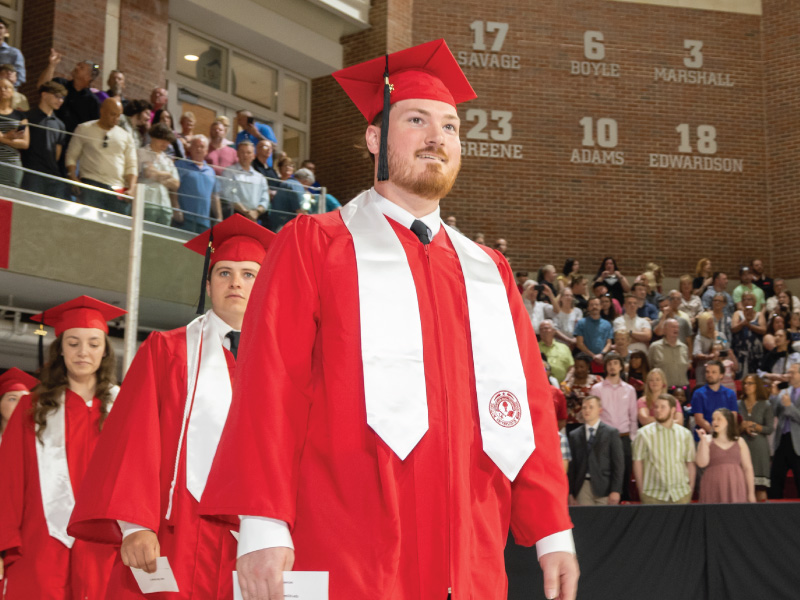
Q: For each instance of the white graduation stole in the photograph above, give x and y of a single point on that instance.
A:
(394, 376)
(58, 498)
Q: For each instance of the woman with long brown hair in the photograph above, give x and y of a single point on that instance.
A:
(757, 424)
(655, 385)
(724, 455)
(45, 451)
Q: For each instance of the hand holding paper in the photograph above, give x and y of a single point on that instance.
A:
(140, 550)
(162, 580)
(297, 585)
(261, 572)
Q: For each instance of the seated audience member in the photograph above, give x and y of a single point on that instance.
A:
(729, 364)
(501, 245)
(719, 285)
(450, 220)
(608, 311)
(576, 386)
(107, 158)
(703, 346)
(774, 323)
(722, 322)
(655, 386)
(579, 292)
(776, 363)
(80, 104)
(645, 309)
(618, 401)
(600, 290)
(159, 97)
(253, 131)
(188, 121)
(221, 153)
(47, 142)
(638, 368)
(158, 175)
(569, 272)
(703, 277)
(593, 335)
(671, 355)
(616, 283)
(622, 343)
(689, 304)
(565, 316)
(557, 353)
(757, 423)
(786, 445)
(135, 120)
(746, 285)
(306, 178)
(175, 149)
(728, 475)
(597, 468)
(14, 136)
(669, 308)
(535, 309)
(198, 181)
(566, 455)
(19, 101)
(760, 278)
(663, 457)
(10, 55)
(711, 396)
(772, 305)
(14, 384)
(243, 187)
(546, 279)
(748, 327)
(640, 331)
(116, 88)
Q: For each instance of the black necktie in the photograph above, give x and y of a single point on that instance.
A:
(591, 438)
(421, 231)
(233, 336)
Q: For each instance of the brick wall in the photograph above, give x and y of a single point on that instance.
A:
(143, 45)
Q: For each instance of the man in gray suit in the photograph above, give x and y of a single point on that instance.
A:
(787, 435)
(596, 470)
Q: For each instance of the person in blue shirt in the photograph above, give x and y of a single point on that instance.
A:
(10, 55)
(253, 131)
(594, 335)
(645, 310)
(712, 396)
(197, 186)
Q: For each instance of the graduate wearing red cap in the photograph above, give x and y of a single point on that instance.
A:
(153, 459)
(45, 451)
(391, 414)
(14, 384)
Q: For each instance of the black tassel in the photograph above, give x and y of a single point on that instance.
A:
(201, 304)
(41, 333)
(383, 155)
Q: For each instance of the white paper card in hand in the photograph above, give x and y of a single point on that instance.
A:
(297, 585)
(163, 580)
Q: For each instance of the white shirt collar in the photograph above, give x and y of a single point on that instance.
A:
(596, 426)
(405, 218)
(222, 327)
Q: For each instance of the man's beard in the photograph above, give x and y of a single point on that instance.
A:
(664, 420)
(434, 183)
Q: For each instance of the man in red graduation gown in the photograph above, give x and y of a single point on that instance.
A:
(152, 461)
(391, 415)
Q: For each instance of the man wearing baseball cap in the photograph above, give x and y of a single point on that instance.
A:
(391, 416)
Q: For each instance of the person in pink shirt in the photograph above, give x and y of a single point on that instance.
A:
(220, 152)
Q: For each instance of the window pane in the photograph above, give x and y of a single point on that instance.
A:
(294, 98)
(293, 143)
(253, 81)
(201, 60)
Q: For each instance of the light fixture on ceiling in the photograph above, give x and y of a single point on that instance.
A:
(191, 57)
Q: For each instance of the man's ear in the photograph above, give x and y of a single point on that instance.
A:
(373, 138)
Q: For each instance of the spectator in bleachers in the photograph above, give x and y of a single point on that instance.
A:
(748, 327)
(669, 308)
(663, 457)
(757, 423)
(772, 304)
(608, 311)
(786, 444)
(703, 346)
(578, 288)
(252, 130)
(535, 309)
(569, 272)
(451, 222)
(158, 175)
(107, 158)
(596, 471)
(80, 104)
(20, 102)
(655, 386)
(135, 120)
(775, 364)
(616, 283)
(306, 179)
(286, 168)
(793, 331)
(565, 316)
(760, 279)
(618, 400)
(11, 55)
(47, 142)
(639, 328)
(622, 343)
(730, 366)
(175, 149)
(690, 304)
(638, 368)
(728, 475)
(718, 286)
(722, 322)
(576, 386)
(14, 136)
(557, 353)
(159, 97)
(188, 121)
(262, 161)
(501, 245)
(703, 277)
(221, 154)
(645, 309)
(243, 187)
(593, 335)
(479, 238)
(785, 303)
(116, 88)
(655, 273)
(746, 285)
(671, 355)
(600, 290)
(198, 181)
(711, 396)
(546, 284)
(775, 322)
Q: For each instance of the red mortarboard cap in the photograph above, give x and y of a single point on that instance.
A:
(84, 312)
(15, 380)
(428, 72)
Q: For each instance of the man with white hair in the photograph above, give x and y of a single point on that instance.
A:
(194, 199)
